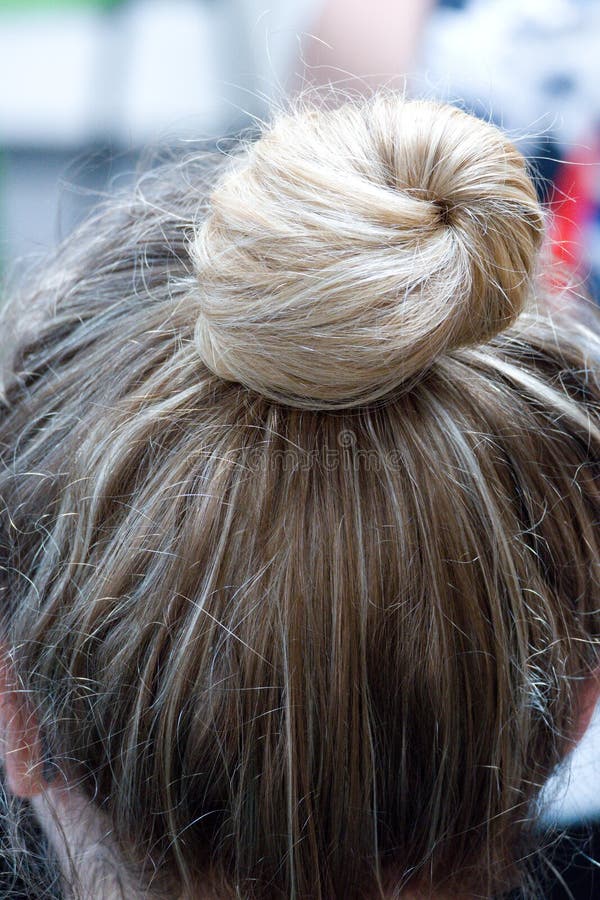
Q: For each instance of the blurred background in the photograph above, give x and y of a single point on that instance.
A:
(86, 85)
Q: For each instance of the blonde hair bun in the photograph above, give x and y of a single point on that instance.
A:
(347, 249)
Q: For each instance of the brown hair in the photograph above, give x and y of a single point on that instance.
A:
(299, 509)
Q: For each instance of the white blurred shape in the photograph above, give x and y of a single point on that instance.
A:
(145, 70)
(502, 57)
(169, 67)
(47, 69)
(573, 794)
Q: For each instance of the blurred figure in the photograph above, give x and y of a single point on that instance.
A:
(532, 66)
(369, 43)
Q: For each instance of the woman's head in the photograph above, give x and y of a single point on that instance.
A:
(299, 511)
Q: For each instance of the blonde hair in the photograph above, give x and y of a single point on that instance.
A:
(300, 503)
(348, 249)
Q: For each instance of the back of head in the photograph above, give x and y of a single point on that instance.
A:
(299, 505)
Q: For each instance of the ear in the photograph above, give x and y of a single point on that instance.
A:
(587, 698)
(20, 745)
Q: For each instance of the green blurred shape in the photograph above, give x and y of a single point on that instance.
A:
(37, 5)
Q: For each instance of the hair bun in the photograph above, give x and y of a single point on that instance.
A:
(348, 248)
